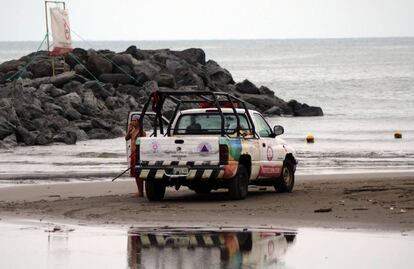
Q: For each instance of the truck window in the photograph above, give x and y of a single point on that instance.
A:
(209, 123)
(262, 127)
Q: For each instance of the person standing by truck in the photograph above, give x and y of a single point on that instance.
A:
(133, 133)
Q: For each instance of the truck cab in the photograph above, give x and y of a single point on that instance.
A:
(220, 144)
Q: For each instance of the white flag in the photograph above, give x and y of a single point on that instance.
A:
(62, 40)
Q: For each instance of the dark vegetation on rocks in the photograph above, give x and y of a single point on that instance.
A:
(37, 108)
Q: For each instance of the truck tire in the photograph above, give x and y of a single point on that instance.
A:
(154, 190)
(285, 182)
(239, 184)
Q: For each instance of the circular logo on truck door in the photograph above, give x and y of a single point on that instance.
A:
(155, 146)
(269, 153)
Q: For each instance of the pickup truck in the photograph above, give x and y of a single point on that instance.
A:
(220, 144)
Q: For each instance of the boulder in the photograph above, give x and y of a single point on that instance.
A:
(147, 68)
(52, 109)
(24, 136)
(123, 59)
(162, 56)
(99, 134)
(7, 110)
(63, 78)
(247, 87)
(12, 65)
(137, 53)
(263, 102)
(174, 65)
(274, 110)
(304, 110)
(77, 55)
(56, 122)
(113, 102)
(294, 105)
(81, 135)
(118, 131)
(85, 125)
(266, 91)
(6, 128)
(72, 114)
(218, 74)
(310, 111)
(81, 70)
(2, 78)
(28, 124)
(100, 90)
(123, 69)
(101, 124)
(98, 65)
(41, 67)
(91, 106)
(116, 78)
(186, 77)
(24, 74)
(52, 90)
(9, 141)
(192, 55)
(73, 86)
(165, 80)
(36, 82)
(72, 99)
(67, 137)
(43, 138)
(30, 111)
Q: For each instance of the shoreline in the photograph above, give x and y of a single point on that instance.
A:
(350, 202)
(328, 174)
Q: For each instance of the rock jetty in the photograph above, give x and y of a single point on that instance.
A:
(94, 91)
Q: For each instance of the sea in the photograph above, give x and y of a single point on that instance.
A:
(364, 86)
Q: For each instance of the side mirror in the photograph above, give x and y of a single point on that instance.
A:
(278, 130)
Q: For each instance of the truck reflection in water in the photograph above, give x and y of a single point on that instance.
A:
(197, 248)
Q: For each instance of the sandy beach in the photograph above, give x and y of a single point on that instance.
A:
(366, 202)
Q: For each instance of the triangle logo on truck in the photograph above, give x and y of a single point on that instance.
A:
(204, 149)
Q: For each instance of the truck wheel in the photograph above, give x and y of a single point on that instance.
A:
(285, 182)
(154, 190)
(238, 185)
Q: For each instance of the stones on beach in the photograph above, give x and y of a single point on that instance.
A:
(323, 210)
(98, 65)
(37, 108)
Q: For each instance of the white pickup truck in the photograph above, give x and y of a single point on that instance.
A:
(222, 144)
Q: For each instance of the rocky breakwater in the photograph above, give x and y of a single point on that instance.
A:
(92, 97)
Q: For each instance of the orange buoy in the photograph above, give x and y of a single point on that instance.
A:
(310, 138)
(397, 135)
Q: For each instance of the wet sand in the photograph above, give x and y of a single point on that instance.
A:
(374, 202)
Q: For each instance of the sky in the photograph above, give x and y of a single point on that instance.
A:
(23, 20)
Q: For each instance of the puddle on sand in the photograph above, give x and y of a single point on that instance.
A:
(48, 246)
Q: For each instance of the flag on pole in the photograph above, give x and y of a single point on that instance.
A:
(62, 40)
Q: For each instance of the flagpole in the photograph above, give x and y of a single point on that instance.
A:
(47, 26)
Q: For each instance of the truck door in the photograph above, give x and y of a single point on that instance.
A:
(148, 128)
(271, 160)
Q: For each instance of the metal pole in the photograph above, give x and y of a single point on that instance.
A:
(47, 26)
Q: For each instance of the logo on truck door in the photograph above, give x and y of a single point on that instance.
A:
(204, 148)
(155, 146)
(269, 153)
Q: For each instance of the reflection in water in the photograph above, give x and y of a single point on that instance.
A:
(168, 248)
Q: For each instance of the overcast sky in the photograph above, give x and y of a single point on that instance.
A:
(213, 19)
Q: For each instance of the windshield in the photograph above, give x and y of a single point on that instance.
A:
(209, 123)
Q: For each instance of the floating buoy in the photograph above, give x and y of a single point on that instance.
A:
(397, 135)
(310, 138)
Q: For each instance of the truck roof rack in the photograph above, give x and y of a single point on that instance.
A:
(213, 99)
